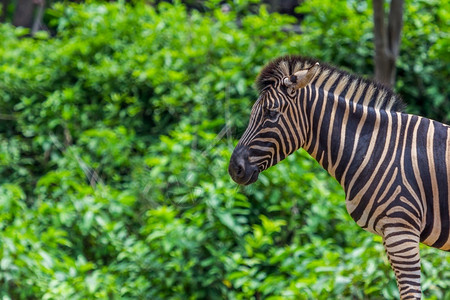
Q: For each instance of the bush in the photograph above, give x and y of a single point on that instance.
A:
(114, 144)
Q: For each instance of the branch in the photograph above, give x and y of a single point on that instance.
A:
(38, 19)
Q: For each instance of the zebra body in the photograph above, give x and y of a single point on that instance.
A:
(405, 156)
(393, 166)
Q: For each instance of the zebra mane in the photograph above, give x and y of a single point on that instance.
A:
(382, 96)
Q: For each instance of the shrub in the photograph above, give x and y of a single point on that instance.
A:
(114, 144)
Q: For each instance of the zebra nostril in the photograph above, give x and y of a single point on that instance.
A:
(239, 167)
(240, 170)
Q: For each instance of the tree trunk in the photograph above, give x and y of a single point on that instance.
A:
(24, 13)
(387, 39)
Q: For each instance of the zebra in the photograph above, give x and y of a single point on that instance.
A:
(394, 167)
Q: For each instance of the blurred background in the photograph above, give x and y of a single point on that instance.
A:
(117, 121)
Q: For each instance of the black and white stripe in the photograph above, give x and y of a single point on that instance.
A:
(393, 166)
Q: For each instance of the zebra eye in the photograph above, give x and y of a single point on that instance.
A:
(270, 114)
(291, 91)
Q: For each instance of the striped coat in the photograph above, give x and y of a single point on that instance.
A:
(393, 166)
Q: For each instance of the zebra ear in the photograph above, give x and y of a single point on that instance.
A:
(301, 78)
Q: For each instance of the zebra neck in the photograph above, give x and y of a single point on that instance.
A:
(338, 128)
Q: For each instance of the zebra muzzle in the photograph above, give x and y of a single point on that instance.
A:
(240, 169)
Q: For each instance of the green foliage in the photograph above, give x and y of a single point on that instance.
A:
(341, 32)
(424, 68)
(115, 136)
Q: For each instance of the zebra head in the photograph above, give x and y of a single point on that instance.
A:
(276, 127)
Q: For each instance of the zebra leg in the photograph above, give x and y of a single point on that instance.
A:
(402, 248)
